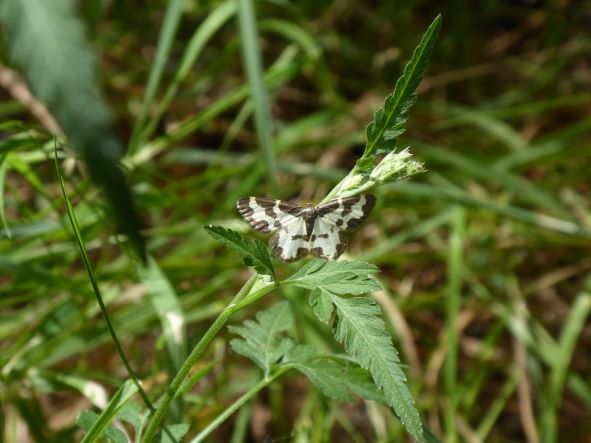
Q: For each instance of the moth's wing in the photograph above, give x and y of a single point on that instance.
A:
(266, 214)
(346, 213)
(291, 242)
(328, 241)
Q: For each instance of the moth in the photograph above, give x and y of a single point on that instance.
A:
(299, 231)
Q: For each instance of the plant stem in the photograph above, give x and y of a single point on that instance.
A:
(198, 350)
(238, 404)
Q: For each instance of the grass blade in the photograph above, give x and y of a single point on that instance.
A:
(454, 282)
(570, 333)
(3, 171)
(253, 65)
(202, 35)
(122, 396)
(165, 41)
(95, 286)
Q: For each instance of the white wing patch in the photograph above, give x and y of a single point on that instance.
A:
(317, 230)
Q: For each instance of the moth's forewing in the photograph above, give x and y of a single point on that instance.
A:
(265, 214)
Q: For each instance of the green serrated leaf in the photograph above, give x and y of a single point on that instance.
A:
(131, 412)
(364, 336)
(254, 252)
(321, 305)
(339, 381)
(46, 39)
(337, 277)
(299, 354)
(390, 121)
(176, 433)
(260, 339)
(365, 165)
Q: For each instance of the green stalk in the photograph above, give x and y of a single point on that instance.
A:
(454, 285)
(238, 404)
(199, 349)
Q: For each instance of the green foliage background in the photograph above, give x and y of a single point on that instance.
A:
(483, 259)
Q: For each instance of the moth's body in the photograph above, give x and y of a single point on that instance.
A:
(317, 230)
(309, 215)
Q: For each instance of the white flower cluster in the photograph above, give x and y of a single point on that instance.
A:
(395, 166)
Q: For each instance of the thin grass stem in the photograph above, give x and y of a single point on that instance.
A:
(97, 291)
(238, 404)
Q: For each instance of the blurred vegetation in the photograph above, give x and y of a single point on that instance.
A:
(484, 257)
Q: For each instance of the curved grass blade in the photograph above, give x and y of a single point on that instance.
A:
(202, 35)
(171, 22)
(122, 396)
(95, 287)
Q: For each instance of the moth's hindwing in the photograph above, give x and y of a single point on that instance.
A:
(292, 241)
(327, 240)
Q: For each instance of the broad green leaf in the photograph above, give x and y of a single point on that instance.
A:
(122, 396)
(321, 305)
(390, 121)
(168, 308)
(260, 339)
(46, 39)
(339, 381)
(337, 277)
(254, 252)
(363, 333)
